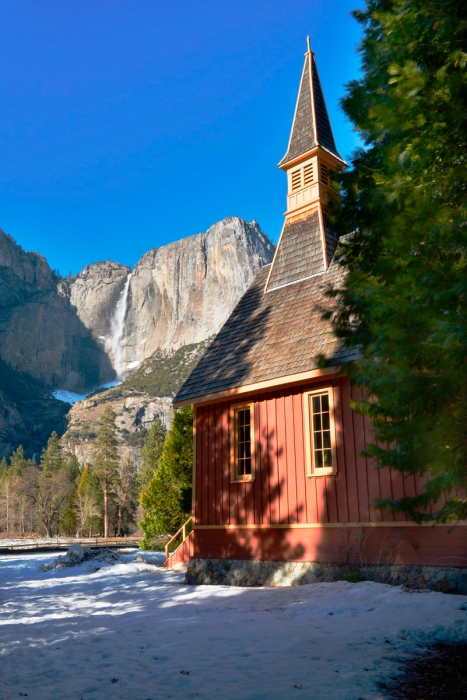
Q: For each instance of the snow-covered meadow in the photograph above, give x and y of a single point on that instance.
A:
(128, 629)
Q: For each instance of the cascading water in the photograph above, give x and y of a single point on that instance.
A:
(117, 327)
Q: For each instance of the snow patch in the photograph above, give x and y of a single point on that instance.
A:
(127, 631)
(68, 396)
(72, 398)
(132, 365)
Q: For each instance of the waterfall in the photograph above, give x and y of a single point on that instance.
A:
(117, 327)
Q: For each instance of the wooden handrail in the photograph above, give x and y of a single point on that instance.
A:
(184, 536)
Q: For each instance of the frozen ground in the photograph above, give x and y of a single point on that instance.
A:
(133, 631)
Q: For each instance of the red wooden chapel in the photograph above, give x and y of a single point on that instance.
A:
(278, 471)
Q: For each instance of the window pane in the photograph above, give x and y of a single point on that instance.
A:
(243, 442)
(321, 429)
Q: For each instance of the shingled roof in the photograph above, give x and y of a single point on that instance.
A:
(311, 125)
(270, 335)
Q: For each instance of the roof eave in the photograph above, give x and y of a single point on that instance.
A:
(287, 380)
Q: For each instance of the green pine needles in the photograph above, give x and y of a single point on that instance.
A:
(167, 499)
(404, 301)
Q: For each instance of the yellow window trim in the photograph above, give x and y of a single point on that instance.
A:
(312, 470)
(234, 476)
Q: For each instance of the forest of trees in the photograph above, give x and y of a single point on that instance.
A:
(59, 496)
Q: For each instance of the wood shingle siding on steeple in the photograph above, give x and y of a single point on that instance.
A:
(270, 335)
(311, 125)
(330, 238)
(323, 125)
(302, 138)
(300, 252)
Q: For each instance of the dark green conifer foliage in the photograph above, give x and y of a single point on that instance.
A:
(404, 302)
(69, 519)
(167, 499)
(106, 459)
(51, 457)
(151, 452)
(73, 470)
(18, 462)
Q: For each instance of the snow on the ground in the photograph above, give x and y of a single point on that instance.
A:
(134, 631)
(71, 397)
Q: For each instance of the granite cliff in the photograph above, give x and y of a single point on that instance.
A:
(40, 332)
(80, 333)
(177, 295)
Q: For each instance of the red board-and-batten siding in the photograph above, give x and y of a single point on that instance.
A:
(324, 513)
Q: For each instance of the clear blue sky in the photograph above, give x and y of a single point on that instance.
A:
(127, 124)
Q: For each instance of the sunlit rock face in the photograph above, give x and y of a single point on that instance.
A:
(77, 334)
(97, 294)
(183, 292)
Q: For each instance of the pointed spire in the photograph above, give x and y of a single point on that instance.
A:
(311, 125)
(307, 243)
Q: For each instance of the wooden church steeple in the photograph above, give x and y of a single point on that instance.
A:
(307, 244)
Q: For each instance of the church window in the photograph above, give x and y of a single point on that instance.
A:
(242, 442)
(320, 430)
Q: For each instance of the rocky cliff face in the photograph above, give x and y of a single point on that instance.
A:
(28, 413)
(135, 413)
(40, 332)
(70, 333)
(177, 295)
(78, 334)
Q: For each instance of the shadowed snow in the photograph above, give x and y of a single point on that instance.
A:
(71, 633)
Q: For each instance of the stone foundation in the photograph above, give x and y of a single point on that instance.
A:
(239, 572)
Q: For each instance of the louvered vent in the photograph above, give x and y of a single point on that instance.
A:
(308, 174)
(296, 180)
(324, 174)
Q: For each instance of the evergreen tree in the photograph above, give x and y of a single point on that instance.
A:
(69, 519)
(51, 457)
(72, 468)
(18, 462)
(151, 452)
(167, 499)
(403, 302)
(106, 459)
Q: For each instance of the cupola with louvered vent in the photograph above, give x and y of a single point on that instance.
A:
(307, 245)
